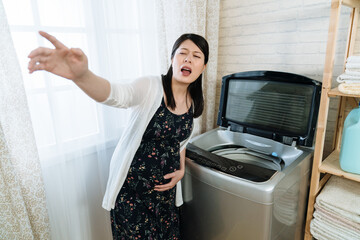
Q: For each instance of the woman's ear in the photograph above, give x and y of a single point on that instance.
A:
(204, 68)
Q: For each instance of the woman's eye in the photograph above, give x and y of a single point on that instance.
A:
(182, 53)
(197, 56)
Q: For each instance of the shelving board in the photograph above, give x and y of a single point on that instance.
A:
(351, 3)
(331, 165)
(335, 92)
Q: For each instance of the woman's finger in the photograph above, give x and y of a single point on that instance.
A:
(170, 175)
(38, 59)
(164, 187)
(77, 51)
(162, 190)
(36, 67)
(37, 63)
(40, 51)
(52, 39)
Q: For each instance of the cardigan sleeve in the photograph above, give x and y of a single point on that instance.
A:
(178, 196)
(125, 95)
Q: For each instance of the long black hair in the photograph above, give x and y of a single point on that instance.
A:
(195, 88)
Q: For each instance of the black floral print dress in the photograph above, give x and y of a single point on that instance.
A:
(141, 212)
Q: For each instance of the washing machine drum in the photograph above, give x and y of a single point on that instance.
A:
(245, 155)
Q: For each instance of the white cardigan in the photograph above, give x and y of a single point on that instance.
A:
(144, 96)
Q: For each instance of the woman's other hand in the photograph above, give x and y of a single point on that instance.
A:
(70, 63)
(175, 178)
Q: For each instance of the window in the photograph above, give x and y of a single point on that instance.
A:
(119, 39)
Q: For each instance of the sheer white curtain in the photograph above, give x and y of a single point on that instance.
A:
(76, 136)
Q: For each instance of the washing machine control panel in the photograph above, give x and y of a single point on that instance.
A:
(238, 169)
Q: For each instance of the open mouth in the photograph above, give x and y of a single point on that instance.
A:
(186, 71)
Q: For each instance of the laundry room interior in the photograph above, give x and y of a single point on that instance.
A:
(273, 153)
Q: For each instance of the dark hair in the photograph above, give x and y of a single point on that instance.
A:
(195, 88)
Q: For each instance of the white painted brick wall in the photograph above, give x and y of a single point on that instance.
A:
(282, 35)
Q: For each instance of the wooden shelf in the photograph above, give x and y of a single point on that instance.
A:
(331, 165)
(351, 3)
(335, 92)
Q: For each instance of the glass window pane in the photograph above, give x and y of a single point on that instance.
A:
(24, 43)
(124, 50)
(76, 114)
(149, 55)
(61, 13)
(18, 12)
(120, 14)
(41, 118)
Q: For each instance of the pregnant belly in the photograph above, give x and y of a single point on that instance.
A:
(149, 169)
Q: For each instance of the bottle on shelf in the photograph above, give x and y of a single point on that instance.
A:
(350, 143)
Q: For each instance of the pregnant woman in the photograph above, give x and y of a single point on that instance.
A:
(149, 160)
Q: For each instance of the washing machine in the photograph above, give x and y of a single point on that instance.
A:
(248, 179)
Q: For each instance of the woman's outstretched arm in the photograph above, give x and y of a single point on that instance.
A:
(70, 63)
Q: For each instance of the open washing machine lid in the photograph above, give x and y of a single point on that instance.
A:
(275, 105)
(261, 113)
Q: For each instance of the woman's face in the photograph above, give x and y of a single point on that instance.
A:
(188, 62)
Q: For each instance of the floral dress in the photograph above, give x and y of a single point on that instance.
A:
(141, 212)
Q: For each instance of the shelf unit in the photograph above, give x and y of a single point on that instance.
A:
(330, 166)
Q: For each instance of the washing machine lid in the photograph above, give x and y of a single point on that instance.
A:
(276, 105)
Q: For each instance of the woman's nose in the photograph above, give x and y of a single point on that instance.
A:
(188, 59)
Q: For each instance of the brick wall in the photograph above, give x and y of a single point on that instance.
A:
(282, 35)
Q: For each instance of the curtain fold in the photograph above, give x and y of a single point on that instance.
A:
(23, 212)
(75, 136)
(176, 17)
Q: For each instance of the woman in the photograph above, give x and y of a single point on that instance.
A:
(149, 159)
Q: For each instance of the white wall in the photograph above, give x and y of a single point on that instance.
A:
(282, 35)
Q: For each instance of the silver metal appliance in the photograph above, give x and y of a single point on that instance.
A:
(248, 179)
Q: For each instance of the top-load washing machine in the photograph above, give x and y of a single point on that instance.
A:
(248, 179)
